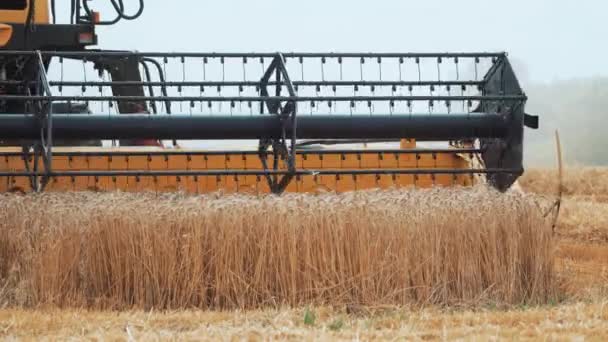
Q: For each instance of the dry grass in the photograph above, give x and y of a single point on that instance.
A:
(581, 263)
(123, 251)
(570, 322)
(585, 182)
(584, 220)
(582, 228)
(584, 214)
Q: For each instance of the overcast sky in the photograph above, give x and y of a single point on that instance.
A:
(547, 39)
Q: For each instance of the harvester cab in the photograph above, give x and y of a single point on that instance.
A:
(278, 121)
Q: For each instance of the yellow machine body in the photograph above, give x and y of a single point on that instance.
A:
(246, 184)
(19, 16)
(6, 33)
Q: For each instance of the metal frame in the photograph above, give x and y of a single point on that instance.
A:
(43, 147)
(287, 115)
(498, 121)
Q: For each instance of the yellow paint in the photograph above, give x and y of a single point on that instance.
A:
(6, 32)
(41, 13)
(243, 184)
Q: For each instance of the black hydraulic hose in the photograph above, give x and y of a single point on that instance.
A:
(87, 10)
(120, 12)
(161, 76)
(53, 11)
(28, 22)
(72, 11)
(163, 88)
(150, 88)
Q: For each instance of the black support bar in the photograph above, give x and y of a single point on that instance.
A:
(424, 127)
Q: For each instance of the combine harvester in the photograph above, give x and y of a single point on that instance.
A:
(74, 118)
(77, 118)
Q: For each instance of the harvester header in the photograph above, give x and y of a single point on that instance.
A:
(297, 107)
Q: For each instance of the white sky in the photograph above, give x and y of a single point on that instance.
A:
(546, 39)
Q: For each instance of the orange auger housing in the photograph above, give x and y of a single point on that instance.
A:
(162, 160)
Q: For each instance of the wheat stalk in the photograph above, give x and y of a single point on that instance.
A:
(173, 251)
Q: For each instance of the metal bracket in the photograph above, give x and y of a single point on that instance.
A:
(286, 113)
(507, 152)
(43, 149)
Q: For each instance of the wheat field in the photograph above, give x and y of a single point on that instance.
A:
(546, 284)
(121, 250)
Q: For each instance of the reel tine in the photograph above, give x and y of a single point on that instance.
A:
(439, 60)
(244, 68)
(179, 87)
(205, 61)
(323, 68)
(223, 68)
(262, 64)
(362, 61)
(61, 75)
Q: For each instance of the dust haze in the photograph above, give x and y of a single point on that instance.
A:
(577, 108)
